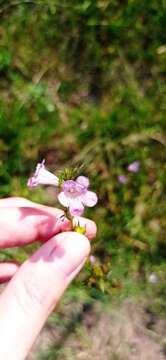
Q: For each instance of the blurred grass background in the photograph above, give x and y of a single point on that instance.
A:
(84, 82)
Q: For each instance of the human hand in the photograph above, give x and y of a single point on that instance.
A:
(37, 285)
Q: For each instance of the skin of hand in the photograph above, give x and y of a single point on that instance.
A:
(36, 286)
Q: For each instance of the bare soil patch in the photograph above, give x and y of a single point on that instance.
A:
(129, 332)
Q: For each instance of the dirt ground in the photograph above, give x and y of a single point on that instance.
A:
(130, 332)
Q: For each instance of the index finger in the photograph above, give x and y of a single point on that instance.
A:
(23, 225)
(23, 222)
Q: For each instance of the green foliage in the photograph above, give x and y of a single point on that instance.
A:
(82, 82)
(70, 173)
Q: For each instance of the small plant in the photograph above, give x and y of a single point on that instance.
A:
(73, 193)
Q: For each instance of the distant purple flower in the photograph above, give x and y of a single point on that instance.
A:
(134, 166)
(75, 195)
(122, 179)
(42, 176)
(92, 260)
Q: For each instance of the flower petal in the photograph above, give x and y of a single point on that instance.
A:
(89, 199)
(72, 189)
(32, 182)
(83, 180)
(42, 176)
(68, 185)
(63, 199)
(47, 178)
(76, 208)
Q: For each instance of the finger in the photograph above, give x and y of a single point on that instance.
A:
(89, 225)
(43, 220)
(35, 289)
(7, 270)
(21, 202)
(23, 225)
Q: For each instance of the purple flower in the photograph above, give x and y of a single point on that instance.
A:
(122, 179)
(42, 176)
(134, 166)
(92, 260)
(75, 195)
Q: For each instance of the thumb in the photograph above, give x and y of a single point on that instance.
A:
(35, 289)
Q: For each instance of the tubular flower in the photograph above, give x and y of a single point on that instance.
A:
(42, 176)
(134, 166)
(75, 195)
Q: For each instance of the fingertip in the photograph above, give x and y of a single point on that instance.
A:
(65, 250)
(74, 242)
(90, 226)
(91, 230)
(81, 242)
(7, 270)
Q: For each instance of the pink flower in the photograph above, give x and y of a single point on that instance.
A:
(122, 179)
(134, 166)
(75, 195)
(92, 260)
(42, 176)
